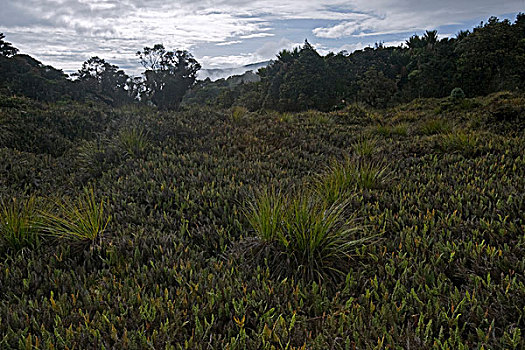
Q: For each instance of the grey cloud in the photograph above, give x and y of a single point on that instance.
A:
(48, 29)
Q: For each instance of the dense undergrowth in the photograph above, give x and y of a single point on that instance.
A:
(438, 183)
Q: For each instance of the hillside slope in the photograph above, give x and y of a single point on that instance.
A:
(446, 269)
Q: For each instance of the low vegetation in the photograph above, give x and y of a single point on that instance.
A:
(135, 227)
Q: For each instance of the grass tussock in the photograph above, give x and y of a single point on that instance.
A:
(460, 142)
(19, 223)
(303, 237)
(83, 220)
(365, 147)
(238, 113)
(400, 129)
(342, 179)
(435, 126)
(133, 140)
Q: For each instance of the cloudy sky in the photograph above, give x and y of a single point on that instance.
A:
(226, 33)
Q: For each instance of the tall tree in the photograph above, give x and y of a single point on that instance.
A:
(105, 80)
(6, 48)
(376, 89)
(168, 75)
(488, 59)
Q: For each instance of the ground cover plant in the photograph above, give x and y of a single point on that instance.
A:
(445, 190)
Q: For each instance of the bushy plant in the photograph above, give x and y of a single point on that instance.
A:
(435, 126)
(133, 140)
(83, 220)
(302, 236)
(364, 146)
(19, 223)
(457, 94)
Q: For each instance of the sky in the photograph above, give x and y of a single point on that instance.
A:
(227, 33)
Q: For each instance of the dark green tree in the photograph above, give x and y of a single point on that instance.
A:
(375, 89)
(489, 58)
(6, 48)
(168, 75)
(106, 81)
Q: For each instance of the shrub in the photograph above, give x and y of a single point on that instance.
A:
(457, 94)
(19, 223)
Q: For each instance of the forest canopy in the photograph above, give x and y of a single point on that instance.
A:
(487, 59)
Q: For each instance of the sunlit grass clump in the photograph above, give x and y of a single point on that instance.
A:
(365, 147)
(19, 223)
(343, 178)
(133, 140)
(302, 236)
(83, 220)
(460, 142)
(435, 126)
(238, 112)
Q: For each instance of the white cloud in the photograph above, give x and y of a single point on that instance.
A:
(256, 35)
(64, 33)
(386, 17)
(227, 43)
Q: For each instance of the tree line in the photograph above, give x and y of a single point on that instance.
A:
(167, 77)
(489, 58)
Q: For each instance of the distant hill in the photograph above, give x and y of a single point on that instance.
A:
(220, 73)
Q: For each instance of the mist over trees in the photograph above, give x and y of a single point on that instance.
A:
(489, 58)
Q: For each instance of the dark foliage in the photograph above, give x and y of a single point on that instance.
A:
(448, 271)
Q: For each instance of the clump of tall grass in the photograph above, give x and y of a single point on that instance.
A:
(371, 175)
(317, 118)
(266, 214)
(435, 126)
(238, 112)
(286, 117)
(337, 183)
(460, 142)
(365, 147)
(303, 237)
(343, 178)
(19, 223)
(400, 129)
(133, 140)
(82, 221)
(383, 130)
